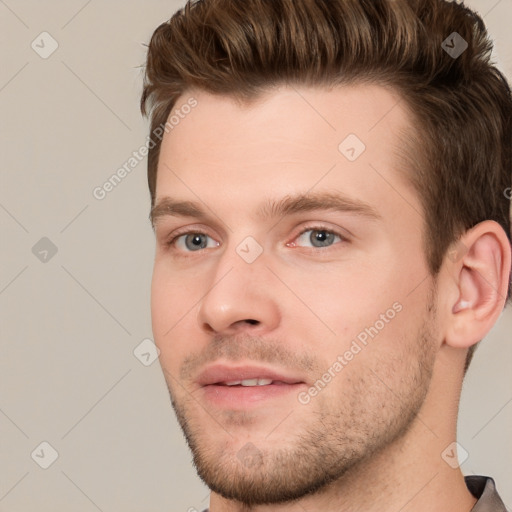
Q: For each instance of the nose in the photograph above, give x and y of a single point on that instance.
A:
(240, 297)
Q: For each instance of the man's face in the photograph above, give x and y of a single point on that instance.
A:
(331, 308)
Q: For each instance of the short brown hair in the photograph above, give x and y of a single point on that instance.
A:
(460, 151)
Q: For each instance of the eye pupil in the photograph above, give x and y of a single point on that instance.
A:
(195, 241)
(323, 237)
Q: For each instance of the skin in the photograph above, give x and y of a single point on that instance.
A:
(373, 437)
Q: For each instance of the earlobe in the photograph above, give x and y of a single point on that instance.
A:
(482, 278)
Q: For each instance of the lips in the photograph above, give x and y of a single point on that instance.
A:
(248, 387)
(245, 376)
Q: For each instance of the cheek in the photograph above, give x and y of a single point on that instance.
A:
(345, 296)
(362, 304)
(176, 295)
(166, 311)
(161, 301)
(172, 302)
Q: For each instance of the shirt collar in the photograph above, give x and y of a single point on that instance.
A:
(484, 489)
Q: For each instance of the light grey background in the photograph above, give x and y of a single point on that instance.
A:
(69, 325)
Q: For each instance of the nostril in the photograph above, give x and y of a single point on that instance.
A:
(252, 322)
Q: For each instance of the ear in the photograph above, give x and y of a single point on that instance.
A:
(478, 284)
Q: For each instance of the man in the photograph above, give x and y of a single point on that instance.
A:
(332, 229)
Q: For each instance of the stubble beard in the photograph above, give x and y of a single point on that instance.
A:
(324, 445)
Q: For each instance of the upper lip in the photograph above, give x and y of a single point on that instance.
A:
(221, 373)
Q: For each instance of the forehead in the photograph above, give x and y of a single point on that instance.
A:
(309, 115)
(290, 140)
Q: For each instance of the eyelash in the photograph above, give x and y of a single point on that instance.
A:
(172, 241)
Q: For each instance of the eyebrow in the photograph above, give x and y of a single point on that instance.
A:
(271, 209)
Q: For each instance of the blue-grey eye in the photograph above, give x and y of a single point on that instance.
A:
(318, 238)
(194, 241)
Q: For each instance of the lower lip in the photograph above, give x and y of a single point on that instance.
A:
(243, 396)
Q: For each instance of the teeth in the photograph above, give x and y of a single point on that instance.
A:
(250, 382)
(256, 382)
